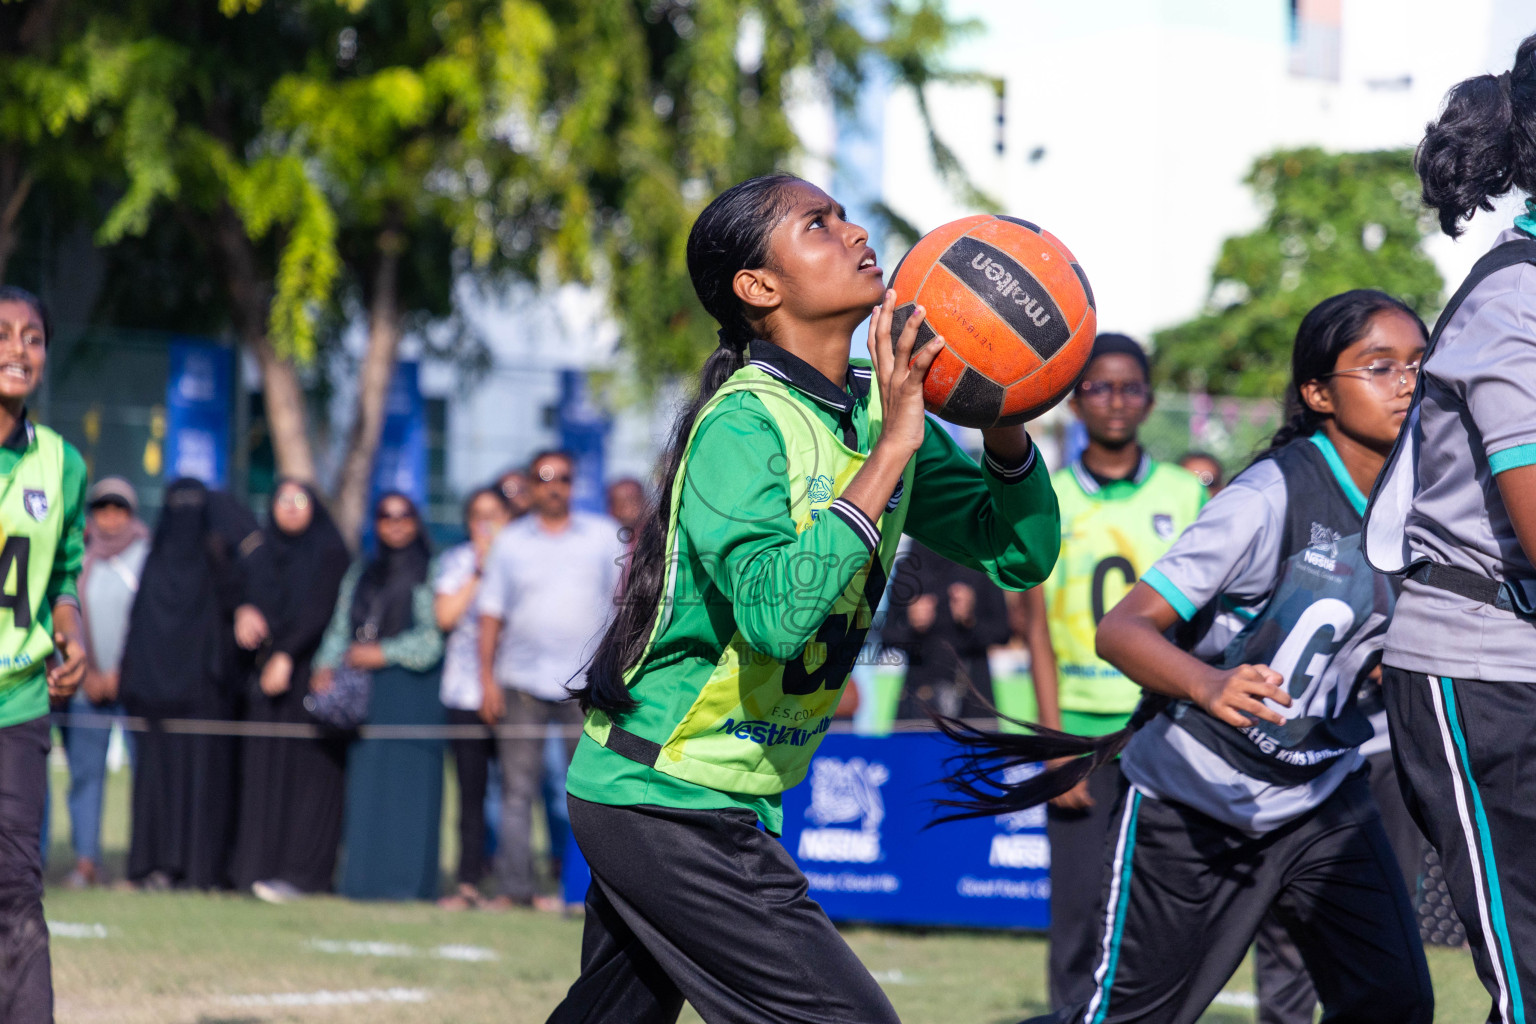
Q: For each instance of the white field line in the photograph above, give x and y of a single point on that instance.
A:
(1242, 1000)
(465, 954)
(72, 930)
(891, 977)
(325, 997)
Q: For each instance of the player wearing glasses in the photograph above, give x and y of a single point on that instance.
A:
(1246, 792)
(1120, 510)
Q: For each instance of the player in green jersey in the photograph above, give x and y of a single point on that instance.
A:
(1120, 511)
(784, 492)
(42, 654)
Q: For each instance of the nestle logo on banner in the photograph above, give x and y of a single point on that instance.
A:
(845, 792)
(1009, 288)
(1011, 850)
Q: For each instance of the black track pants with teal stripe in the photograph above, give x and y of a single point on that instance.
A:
(1466, 757)
(1184, 895)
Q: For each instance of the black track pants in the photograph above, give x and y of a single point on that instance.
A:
(26, 984)
(1466, 759)
(1184, 896)
(1077, 840)
(703, 905)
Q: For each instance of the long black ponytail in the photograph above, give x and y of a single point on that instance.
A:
(985, 774)
(730, 235)
(1484, 143)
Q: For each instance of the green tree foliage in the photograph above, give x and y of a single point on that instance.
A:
(1332, 222)
(345, 160)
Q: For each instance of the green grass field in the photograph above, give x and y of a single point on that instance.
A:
(131, 958)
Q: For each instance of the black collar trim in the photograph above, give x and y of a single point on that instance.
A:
(808, 380)
(21, 435)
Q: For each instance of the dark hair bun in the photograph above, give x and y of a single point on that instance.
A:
(1483, 144)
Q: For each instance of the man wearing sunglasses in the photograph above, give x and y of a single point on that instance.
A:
(548, 590)
(1120, 511)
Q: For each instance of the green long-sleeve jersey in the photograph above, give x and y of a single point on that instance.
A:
(742, 565)
(42, 524)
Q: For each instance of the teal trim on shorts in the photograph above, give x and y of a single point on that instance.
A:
(1125, 899)
(1170, 593)
(1485, 840)
(1346, 482)
(1512, 458)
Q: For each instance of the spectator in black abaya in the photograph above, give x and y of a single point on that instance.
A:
(384, 623)
(944, 616)
(188, 655)
(292, 789)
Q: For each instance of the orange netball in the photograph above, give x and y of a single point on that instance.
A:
(1015, 310)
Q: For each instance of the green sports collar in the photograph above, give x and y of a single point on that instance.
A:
(1527, 221)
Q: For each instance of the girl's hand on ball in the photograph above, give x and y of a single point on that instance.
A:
(1237, 696)
(900, 373)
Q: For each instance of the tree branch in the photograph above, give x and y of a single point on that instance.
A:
(15, 184)
(250, 301)
(384, 330)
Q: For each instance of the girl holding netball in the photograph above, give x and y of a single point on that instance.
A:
(1245, 785)
(42, 653)
(1456, 510)
(787, 485)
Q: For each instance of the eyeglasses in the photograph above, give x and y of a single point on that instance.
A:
(1387, 376)
(1099, 392)
(550, 477)
(394, 517)
(298, 500)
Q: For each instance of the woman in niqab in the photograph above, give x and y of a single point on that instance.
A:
(188, 655)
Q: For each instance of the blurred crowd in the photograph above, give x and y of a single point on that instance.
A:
(214, 618)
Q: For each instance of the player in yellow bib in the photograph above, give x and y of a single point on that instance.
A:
(1120, 510)
(42, 655)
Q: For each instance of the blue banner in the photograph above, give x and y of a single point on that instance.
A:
(856, 828)
(198, 415)
(401, 461)
(584, 430)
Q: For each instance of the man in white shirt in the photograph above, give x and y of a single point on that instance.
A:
(547, 594)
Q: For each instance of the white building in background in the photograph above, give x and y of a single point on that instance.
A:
(1124, 126)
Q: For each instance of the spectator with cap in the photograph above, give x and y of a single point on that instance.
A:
(116, 544)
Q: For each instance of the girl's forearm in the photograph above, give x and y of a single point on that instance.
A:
(1136, 646)
(871, 488)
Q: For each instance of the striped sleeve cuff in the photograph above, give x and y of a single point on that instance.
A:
(1512, 458)
(1010, 474)
(1170, 593)
(857, 521)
